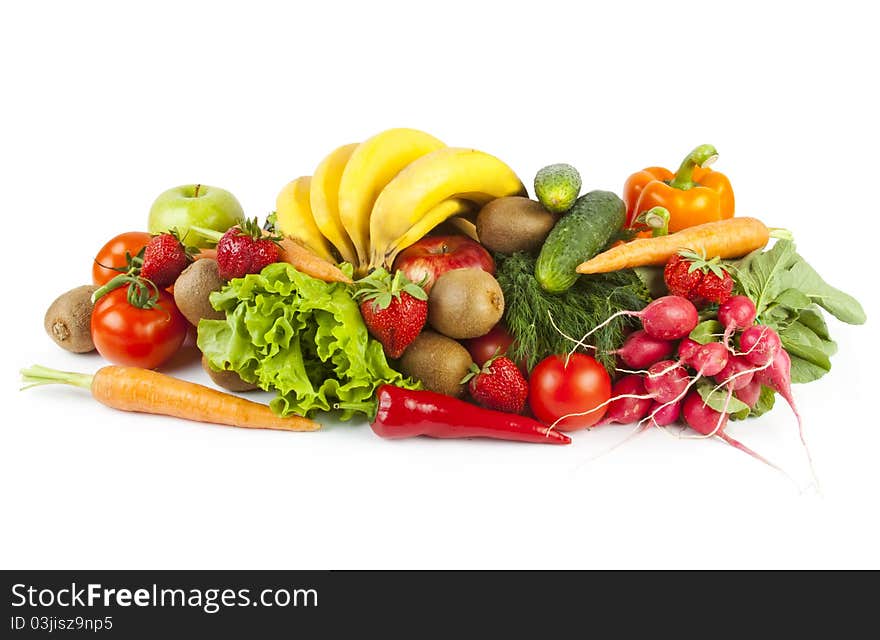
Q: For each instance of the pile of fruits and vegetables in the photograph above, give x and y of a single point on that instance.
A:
(417, 285)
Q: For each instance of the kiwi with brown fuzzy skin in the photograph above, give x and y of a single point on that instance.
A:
(465, 303)
(68, 320)
(514, 223)
(438, 362)
(192, 288)
(229, 380)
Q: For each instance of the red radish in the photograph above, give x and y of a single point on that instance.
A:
(640, 350)
(709, 359)
(706, 421)
(669, 317)
(666, 381)
(686, 350)
(736, 374)
(778, 377)
(664, 414)
(750, 394)
(628, 401)
(736, 314)
(666, 318)
(759, 344)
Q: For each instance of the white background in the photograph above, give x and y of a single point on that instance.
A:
(104, 106)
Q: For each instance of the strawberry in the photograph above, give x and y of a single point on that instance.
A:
(164, 258)
(245, 249)
(499, 385)
(394, 309)
(701, 281)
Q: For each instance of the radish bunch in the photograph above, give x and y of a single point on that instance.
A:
(658, 390)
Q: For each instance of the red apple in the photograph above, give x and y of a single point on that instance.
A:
(433, 256)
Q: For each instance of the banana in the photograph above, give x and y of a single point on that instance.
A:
(324, 195)
(400, 214)
(370, 168)
(293, 217)
(446, 210)
(465, 227)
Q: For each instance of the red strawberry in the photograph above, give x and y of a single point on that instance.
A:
(394, 310)
(245, 249)
(680, 277)
(165, 257)
(714, 288)
(701, 281)
(499, 385)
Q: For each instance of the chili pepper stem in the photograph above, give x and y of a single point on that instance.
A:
(367, 407)
(702, 156)
(37, 375)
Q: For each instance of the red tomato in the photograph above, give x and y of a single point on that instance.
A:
(557, 390)
(497, 341)
(133, 337)
(112, 254)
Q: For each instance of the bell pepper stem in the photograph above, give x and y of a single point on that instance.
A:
(702, 156)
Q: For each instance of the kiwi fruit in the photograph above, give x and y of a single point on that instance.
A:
(68, 320)
(229, 380)
(192, 288)
(514, 223)
(465, 303)
(438, 362)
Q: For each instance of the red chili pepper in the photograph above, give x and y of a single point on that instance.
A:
(403, 414)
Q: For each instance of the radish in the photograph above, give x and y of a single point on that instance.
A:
(686, 350)
(778, 377)
(750, 394)
(759, 345)
(736, 374)
(709, 359)
(666, 381)
(628, 401)
(737, 313)
(641, 350)
(669, 318)
(666, 318)
(706, 421)
(663, 415)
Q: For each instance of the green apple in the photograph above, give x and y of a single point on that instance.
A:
(195, 205)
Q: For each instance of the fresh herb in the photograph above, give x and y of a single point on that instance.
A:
(298, 336)
(531, 312)
(789, 296)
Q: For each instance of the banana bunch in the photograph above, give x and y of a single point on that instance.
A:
(367, 202)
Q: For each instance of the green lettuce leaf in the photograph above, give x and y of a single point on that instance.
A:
(300, 337)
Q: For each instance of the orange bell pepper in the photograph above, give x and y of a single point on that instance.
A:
(693, 195)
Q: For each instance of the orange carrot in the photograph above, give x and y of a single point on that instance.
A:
(729, 238)
(310, 263)
(147, 391)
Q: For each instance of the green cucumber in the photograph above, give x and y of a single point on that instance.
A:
(586, 230)
(557, 187)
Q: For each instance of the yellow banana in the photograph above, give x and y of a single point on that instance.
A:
(293, 217)
(324, 195)
(465, 227)
(446, 210)
(372, 166)
(446, 173)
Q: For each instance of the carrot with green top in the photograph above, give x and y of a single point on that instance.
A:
(731, 238)
(147, 391)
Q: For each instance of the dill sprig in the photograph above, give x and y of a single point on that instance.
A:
(530, 312)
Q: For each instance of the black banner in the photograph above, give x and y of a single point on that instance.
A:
(259, 604)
